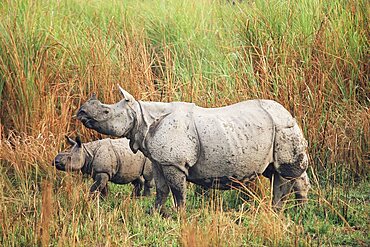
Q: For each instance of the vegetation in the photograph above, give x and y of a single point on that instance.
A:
(312, 56)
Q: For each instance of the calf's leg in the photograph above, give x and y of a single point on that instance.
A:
(138, 185)
(148, 184)
(100, 185)
(104, 191)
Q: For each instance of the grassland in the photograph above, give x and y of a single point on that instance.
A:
(312, 56)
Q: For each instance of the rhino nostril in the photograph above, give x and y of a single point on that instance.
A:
(82, 113)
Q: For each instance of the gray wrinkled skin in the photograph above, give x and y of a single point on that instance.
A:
(107, 160)
(212, 147)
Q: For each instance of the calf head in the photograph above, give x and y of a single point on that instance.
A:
(115, 119)
(74, 159)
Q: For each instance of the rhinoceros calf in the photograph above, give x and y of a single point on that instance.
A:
(107, 160)
(212, 147)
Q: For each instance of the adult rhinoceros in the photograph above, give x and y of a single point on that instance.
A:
(107, 160)
(211, 147)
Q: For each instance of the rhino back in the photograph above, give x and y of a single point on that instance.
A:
(115, 158)
(104, 160)
(281, 116)
(235, 141)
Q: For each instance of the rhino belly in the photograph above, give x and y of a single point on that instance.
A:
(232, 148)
(124, 178)
(222, 182)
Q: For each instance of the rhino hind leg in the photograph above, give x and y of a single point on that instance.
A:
(176, 179)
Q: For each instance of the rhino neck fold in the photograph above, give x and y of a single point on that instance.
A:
(147, 116)
(93, 148)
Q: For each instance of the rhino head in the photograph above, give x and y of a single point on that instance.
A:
(74, 159)
(116, 120)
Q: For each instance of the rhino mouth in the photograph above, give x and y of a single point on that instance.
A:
(86, 121)
(89, 123)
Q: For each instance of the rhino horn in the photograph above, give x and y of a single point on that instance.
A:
(70, 141)
(78, 141)
(93, 97)
(125, 94)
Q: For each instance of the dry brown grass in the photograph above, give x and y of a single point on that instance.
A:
(46, 212)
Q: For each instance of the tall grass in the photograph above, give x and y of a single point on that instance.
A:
(311, 56)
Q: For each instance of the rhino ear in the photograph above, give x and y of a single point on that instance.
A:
(78, 141)
(70, 141)
(93, 97)
(126, 95)
(134, 146)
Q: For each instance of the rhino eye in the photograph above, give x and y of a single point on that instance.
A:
(105, 111)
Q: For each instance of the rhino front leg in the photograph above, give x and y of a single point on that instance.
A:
(176, 179)
(148, 177)
(161, 187)
(100, 185)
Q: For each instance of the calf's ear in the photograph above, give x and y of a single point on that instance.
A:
(78, 141)
(128, 97)
(93, 97)
(70, 141)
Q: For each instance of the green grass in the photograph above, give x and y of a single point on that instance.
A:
(309, 55)
(222, 219)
